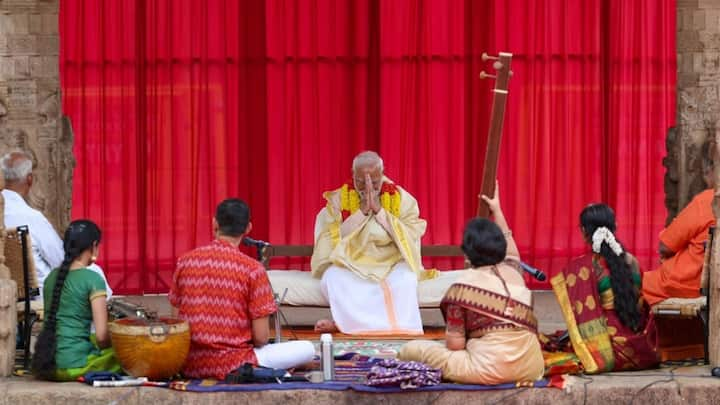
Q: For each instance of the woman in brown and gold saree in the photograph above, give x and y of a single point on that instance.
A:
(609, 325)
(491, 330)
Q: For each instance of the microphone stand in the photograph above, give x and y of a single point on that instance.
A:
(260, 249)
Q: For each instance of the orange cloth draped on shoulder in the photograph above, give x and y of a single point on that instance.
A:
(679, 275)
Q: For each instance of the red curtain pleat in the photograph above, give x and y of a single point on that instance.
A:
(178, 104)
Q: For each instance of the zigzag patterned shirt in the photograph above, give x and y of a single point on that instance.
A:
(219, 290)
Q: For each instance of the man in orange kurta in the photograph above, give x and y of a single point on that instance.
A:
(682, 246)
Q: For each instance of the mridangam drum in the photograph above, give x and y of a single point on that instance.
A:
(155, 349)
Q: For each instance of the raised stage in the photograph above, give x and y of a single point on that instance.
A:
(680, 385)
(686, 384)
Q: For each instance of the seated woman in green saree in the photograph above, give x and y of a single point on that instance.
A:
(609, 325)
(74, 299)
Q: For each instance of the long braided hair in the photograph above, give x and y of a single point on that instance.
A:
(625, 294)
(80, 236)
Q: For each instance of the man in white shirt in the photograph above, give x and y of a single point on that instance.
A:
(47, 247)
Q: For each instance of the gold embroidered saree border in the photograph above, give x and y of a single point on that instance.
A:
(559, 286)
(490, 303)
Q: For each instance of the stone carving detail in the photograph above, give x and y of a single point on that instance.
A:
(65, 165)
(3, 111)
(49, 109)
(4, 271)
(13, 138)
(672, 175)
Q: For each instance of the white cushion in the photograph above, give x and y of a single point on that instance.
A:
(304, 291)
(699, 301)
(431, 292)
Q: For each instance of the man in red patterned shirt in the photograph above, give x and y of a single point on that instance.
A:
(226, 298)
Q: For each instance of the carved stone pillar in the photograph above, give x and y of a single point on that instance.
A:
(30, 107)
(31, 119)
(698, 99)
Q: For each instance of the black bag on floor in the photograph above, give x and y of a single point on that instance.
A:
(248, 373)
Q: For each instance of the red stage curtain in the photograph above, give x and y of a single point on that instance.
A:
(177, 104)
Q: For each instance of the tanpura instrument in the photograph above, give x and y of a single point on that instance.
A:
(119, 308)
(497, 115)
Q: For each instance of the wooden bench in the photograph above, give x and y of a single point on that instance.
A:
(299, 289)
(271, 251)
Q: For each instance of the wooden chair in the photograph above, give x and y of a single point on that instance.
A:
(19, 259)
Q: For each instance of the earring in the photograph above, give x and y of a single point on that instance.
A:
(92, 259)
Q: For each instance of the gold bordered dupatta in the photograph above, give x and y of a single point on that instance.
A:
(576, 291)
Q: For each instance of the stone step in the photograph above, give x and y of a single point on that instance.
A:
(668, 386)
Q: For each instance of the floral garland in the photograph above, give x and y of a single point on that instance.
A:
(603, 234)
(350, 199)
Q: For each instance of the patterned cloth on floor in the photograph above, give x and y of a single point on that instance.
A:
(351, 372)
(558, 363)
(406, 374)
(558, 354)
(375, 349)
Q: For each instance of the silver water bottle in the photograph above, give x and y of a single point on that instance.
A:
(327, 359)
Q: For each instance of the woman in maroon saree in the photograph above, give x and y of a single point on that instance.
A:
(609, 325)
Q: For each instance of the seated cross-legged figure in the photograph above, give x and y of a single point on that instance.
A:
(682, 252)
(609, 325)
(491, 335)
(367, 254)
(75, 298)
(226, 298)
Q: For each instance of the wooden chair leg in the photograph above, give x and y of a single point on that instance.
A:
(703, 315)
(27, 332)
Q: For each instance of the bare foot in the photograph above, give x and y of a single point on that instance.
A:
(325, 326)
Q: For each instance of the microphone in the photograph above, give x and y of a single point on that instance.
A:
(254, 242)
(537, 274)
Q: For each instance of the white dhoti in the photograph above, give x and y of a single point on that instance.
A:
(286, 354)
(361, 306)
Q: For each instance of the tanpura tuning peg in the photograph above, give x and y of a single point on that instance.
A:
(486, 57)
(484, 75)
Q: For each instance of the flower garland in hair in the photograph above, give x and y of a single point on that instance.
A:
(603, 234)
(350, 199)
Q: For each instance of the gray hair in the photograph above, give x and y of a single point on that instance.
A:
(367, 159)
(16, 166)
